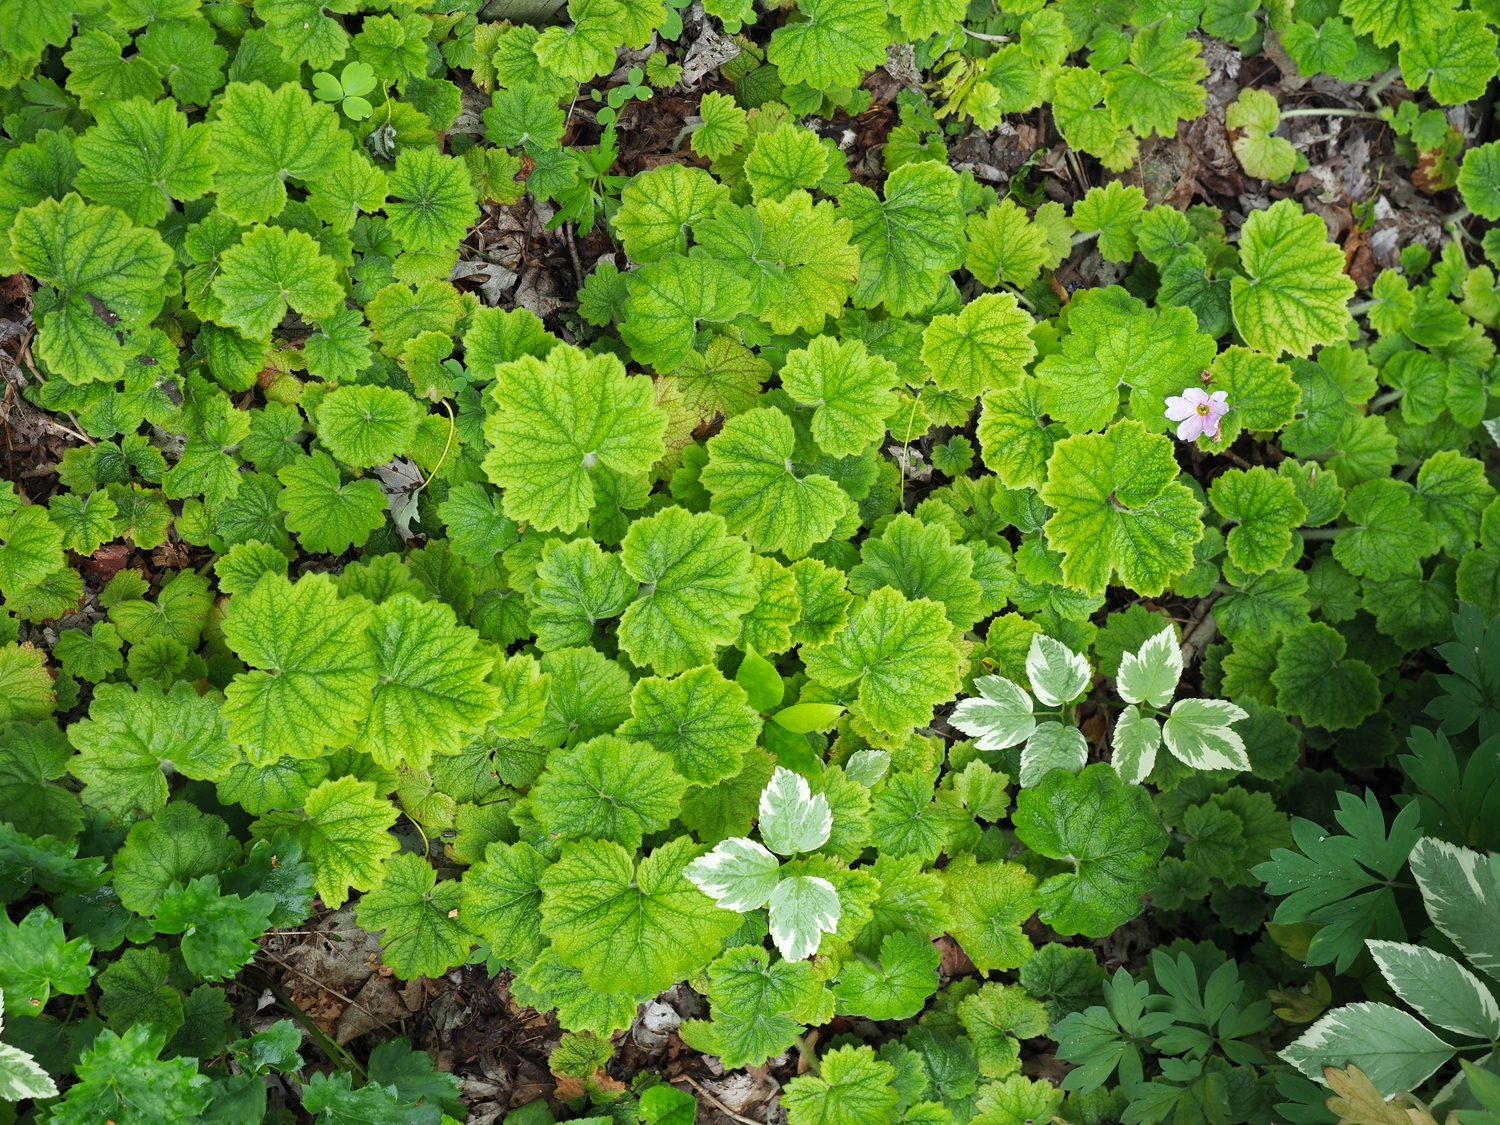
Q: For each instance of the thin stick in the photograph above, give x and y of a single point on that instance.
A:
(717, 1104)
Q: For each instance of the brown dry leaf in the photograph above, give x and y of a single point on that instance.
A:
(1359, 1103)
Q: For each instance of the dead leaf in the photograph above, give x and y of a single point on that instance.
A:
(1359, 1103)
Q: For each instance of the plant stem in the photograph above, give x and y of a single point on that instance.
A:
(1320, 111)
(806, 1052)
(987, 38)
(1377, 87)
(1317, 533)
(1386, 399)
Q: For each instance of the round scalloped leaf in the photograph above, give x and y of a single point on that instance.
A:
(1119, 510)
(1314, 680)
(1295, 294)
(986, 346)
(418, 919)
(1108, 832)
(853, 392)
(558, 417)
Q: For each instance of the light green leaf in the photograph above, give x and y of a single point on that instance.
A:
(325, 514)
(668, 298)
(607, 789)
(899, 653)
(750, 478)
(1113, 212)
(267, 271)
(909, 242)
(411, 911)
(1387, 533)
(321, 667)
(502, 900)
(1119, 510)
(630, 927)
(557, 418)
(1162, 82)
(986, 346)
(852, 391)
(89, 254)
(431, 696)
(261, 137)
(435, 204)
(1294, 294)
(1110, 834)
(658, 206)
(131, 737)
(898, 987)
(987, 904)
(695, 583)
(343, 829)
(1267, 510)
(140, 157)
(852, 1087)
(836, 40)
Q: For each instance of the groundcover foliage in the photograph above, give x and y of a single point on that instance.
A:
(1070, 702)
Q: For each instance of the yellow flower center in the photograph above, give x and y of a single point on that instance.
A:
(1204, 410)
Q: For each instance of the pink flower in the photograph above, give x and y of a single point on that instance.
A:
(1198, 411)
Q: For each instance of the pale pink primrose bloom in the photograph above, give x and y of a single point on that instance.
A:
(1198, 412)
